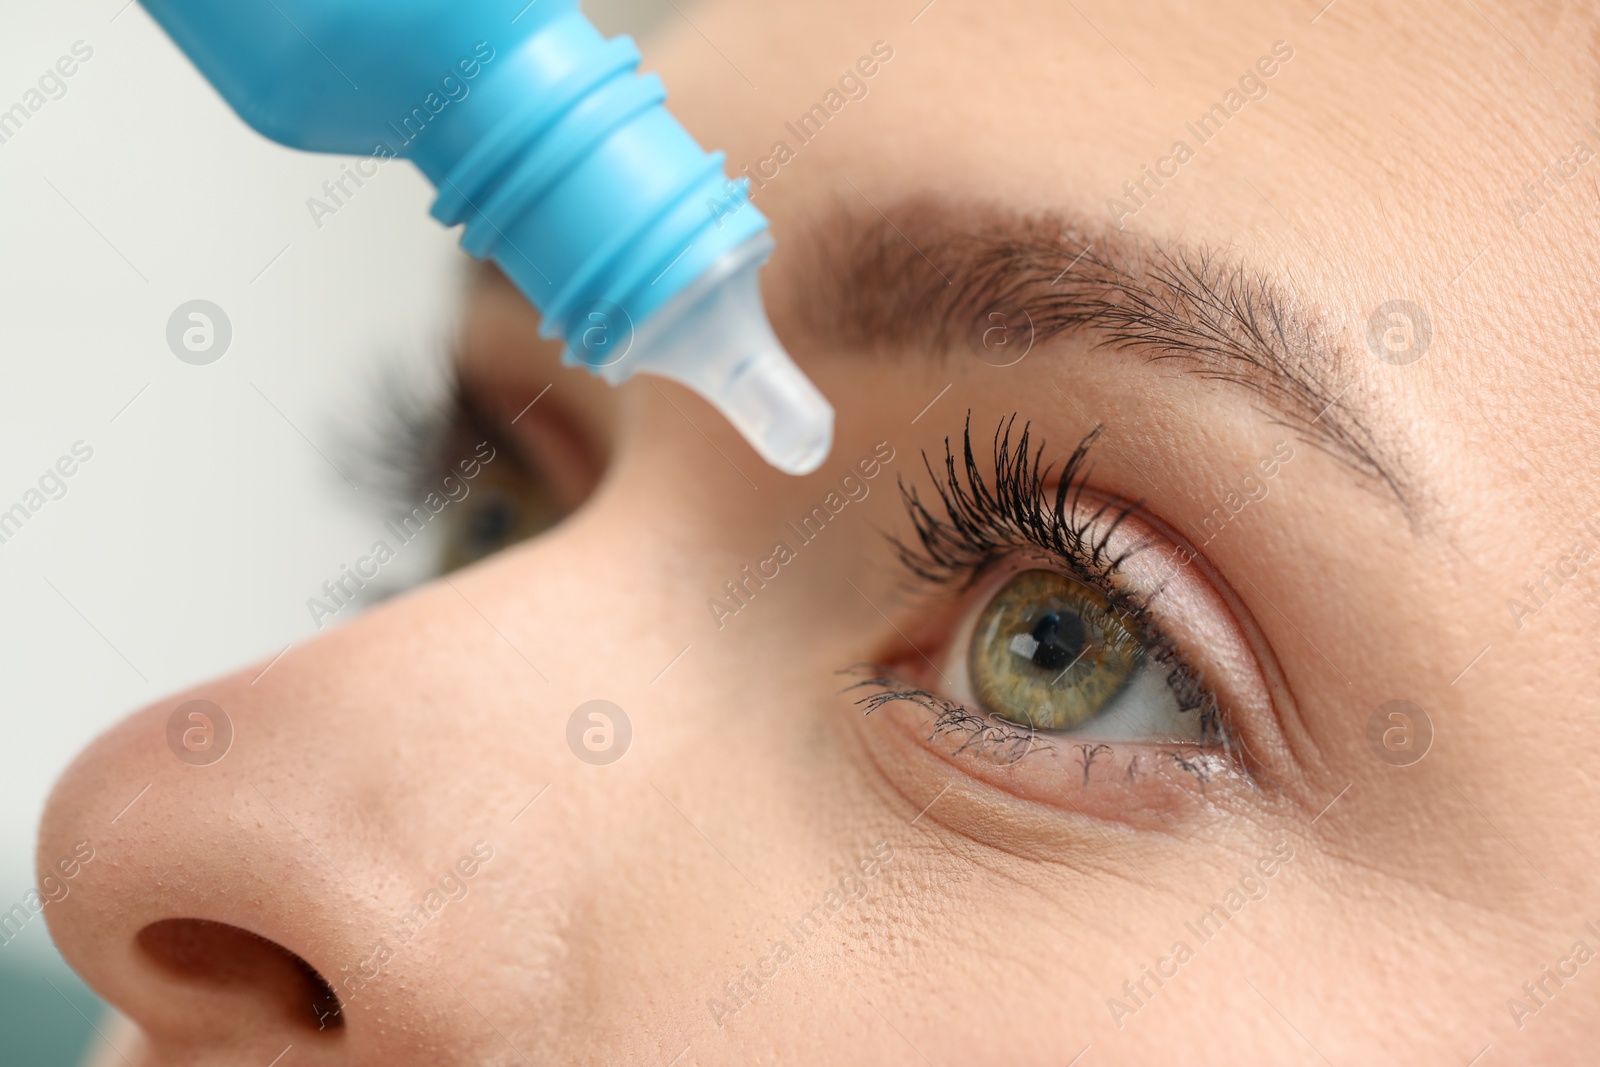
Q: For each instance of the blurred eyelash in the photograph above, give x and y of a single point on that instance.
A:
(979, 523)
(419, 424)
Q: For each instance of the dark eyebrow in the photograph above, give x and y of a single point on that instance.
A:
(929, 274)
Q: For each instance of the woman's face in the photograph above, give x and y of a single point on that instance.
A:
(1270, 734)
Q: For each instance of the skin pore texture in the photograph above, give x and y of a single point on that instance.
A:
(949, 901)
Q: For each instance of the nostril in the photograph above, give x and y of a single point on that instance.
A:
(229, 959)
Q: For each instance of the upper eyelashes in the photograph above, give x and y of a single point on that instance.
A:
(982, 523)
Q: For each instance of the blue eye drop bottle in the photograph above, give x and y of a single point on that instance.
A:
(560, 160)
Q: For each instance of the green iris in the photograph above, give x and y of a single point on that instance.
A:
(1050, 653)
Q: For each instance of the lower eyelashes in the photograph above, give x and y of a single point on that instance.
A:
(928, 745)
(978, 737)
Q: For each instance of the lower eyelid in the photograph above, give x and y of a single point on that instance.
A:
(1146, 786)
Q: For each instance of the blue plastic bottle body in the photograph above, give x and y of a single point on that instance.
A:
(539, 134)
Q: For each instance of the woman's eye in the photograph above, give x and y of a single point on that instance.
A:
(440, 464)
(1071, 651)
(1048, 653)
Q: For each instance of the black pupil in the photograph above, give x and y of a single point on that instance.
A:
(1059, 639)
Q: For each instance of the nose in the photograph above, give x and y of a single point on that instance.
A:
(268, 863)
(215, 907)
(198, 904)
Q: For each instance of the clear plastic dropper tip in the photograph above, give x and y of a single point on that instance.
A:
(778, 410)
(718, 342)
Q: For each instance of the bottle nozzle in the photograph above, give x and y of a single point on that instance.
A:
(715, 338)
(778, 410)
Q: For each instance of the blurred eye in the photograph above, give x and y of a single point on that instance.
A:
(473, 483)
(508, 503)
(1048, 653)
